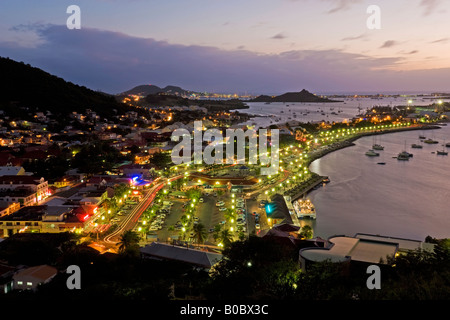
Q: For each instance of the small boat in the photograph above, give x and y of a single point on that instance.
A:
(431, 141)
(404, 156)
(447, 145)
(422, 137)
(442, 152)
(377, 147)
(372, 153)
(382, 163)
(416, 146)
(304, 208)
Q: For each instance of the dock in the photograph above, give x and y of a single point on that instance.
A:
(307, 188)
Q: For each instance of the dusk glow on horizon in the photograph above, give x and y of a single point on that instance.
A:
(235, 46)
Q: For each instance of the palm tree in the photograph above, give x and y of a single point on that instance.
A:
(226, 237)
(128, 239)
(228, 215)
(217, 229)
(111, 203)
(307, 232)
(199, 233)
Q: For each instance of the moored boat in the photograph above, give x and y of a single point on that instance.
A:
(372, 153)
(377, 147)
(431, 141)
(404, 156)
(304, 208)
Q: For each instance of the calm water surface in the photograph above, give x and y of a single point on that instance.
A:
(402, 198)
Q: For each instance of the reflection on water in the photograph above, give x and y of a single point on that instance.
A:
(402, 198)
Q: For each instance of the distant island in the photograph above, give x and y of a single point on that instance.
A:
(146, 89)
(302, 96)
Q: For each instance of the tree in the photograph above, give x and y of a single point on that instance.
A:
(199, 233)
(111, 204)
(193, 194)
(128, 240)
(161, 159)
(307, 232)
(120, 190)
(216, 233)
(228, 215)
(226, 237)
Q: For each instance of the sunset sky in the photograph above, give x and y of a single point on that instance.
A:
(255, 46)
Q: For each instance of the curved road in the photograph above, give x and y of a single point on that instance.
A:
(132, 218)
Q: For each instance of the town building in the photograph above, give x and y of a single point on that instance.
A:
(31, 278)
(8, 207)
(361, 249)
(194, 257)
(36, 187)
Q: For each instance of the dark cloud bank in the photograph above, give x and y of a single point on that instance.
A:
(114, 62)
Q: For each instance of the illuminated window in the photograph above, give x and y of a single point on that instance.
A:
(19, 283)
(29, 283)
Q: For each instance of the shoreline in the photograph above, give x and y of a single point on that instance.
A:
(314, 155)
(316, 179)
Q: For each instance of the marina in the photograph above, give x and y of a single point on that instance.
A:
(388, 197)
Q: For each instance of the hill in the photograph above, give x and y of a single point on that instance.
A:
(302, 96)
(26, 89)
(163, 99)
(146, 89)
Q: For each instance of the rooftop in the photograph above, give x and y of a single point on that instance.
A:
(348, 248)
(40, 273)
(192, 256)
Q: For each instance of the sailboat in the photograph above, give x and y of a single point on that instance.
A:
(431, 141)
(404, 155)
(443, 152)
(376, 146)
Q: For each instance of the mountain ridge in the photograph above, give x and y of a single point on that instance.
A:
(146, 89)
(302, 96)
(30, 89)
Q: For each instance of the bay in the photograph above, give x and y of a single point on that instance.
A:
(407, 199)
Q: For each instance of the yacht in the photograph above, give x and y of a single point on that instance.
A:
(372, 153)
(377, 147)
(304, 208)
(404, 156)
(431, 141)
(416, 146)
(442, 152)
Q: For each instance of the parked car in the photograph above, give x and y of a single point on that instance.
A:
(222, 209)
(200, 200)
(257, 226)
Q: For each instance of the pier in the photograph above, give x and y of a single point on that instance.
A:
(311, 184)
